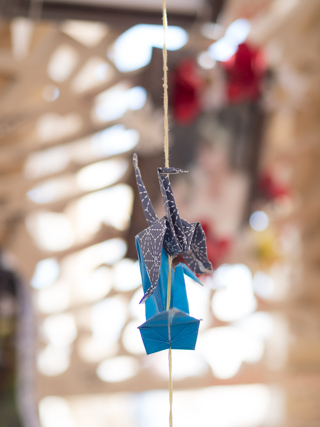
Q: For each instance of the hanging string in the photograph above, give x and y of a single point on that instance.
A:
(169, 283)
(166, 157)
(169, 336)
(165, 85)
(170, 388)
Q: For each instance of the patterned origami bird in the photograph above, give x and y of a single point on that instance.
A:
(171, 232)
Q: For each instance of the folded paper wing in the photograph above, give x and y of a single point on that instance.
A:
(167, 328)
(151, 244)
(196, 257)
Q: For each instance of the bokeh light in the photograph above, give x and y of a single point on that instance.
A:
(259, 221)
(133, 49)
(118, 369)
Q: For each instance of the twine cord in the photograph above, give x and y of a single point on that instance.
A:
(170, 387)
(165, 85)
(169, 336)
(166, 157)
(169, 283)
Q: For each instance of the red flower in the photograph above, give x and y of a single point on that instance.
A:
(270, 189)
(217, 247)
(187, 88)
(245, 71)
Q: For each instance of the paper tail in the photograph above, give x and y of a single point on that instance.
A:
(148, 294)
(170, 329)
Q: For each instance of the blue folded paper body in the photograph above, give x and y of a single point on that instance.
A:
(167, 328)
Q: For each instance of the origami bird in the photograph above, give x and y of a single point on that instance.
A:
(173, 328)
(171, 232)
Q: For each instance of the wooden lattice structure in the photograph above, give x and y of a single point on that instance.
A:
(48, 116)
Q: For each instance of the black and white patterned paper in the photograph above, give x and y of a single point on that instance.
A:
(176, 235)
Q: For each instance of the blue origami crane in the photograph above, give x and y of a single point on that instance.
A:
(167, 328)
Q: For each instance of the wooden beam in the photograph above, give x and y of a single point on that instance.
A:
(114, 16)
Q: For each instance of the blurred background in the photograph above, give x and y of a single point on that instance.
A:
(80, 91)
